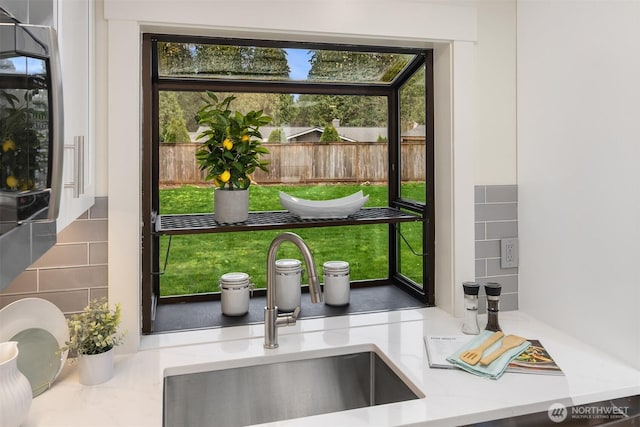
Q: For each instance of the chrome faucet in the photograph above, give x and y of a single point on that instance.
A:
(271, 317)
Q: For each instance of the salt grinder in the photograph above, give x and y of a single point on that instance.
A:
(492, 290)
(470, 325)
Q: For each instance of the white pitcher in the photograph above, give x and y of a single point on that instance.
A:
(15, 390)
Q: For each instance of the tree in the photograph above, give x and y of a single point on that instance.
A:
(284, 109)
(277, 135)
(330, 134)
(240, 62)
(171, 117)
(174, 58)
(412, 101)
(267, 62)
(219, 60)
(332, 65)
(190, 102)
(316, 110)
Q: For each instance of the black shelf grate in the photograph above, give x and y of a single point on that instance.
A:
(268, 220)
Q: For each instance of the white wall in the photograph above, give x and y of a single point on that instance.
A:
(495, 149)
(381, 22)
(578, 174)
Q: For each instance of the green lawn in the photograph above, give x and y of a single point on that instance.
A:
(196, 262)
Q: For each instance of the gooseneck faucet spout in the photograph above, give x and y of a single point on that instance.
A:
(271, 317)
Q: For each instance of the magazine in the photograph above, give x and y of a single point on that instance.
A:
(534, 360)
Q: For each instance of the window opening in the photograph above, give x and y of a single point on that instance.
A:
(345, 118)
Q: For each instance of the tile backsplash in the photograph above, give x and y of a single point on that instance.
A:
(496, 213)
(74, 270)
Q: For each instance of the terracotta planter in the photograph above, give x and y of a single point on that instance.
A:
(95, 368)
(230, 206)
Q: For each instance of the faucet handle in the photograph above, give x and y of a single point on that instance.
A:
(288, 319)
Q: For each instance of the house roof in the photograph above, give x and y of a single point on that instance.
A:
(347, 133)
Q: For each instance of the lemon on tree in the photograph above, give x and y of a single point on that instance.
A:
(231, 144)
(12, 182)
(223, 177)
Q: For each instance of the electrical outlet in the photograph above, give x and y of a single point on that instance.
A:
(509, 252)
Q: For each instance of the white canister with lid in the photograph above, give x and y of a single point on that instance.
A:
(336, 282)
(288, 284)
(235, 293)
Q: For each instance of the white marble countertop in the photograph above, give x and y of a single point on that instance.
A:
(452, 397)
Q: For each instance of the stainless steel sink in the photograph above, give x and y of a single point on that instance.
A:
(260, 392)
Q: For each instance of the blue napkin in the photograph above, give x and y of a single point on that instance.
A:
(496, 368)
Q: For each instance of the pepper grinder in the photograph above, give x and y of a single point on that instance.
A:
(470, 325)
(492, 290)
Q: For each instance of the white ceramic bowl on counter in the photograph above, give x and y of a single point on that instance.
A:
(333, 208)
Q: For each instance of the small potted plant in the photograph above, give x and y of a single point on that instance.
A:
(230, 152)
(93, 334)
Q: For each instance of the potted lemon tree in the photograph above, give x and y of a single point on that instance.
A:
(93, 334)
(229, 153)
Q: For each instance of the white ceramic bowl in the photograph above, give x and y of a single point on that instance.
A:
(329, 209)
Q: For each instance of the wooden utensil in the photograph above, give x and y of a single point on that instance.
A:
(509, 342)
(472, 357)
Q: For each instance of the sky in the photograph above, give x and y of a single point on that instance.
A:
(22, 63)
(298, 63)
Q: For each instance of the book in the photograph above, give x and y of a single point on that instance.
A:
(534, 360)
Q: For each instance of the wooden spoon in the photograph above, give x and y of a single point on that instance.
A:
(472, 357)
(509, 342)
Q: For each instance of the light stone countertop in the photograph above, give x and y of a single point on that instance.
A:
(133, 398)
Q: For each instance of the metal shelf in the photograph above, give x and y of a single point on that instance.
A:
(275, 220)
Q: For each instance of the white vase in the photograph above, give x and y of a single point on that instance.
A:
(95, 368)
(15, 389)
(230, 206)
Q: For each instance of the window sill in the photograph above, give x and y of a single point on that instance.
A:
(208, 314)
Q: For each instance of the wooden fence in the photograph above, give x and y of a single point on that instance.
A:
(304, 162)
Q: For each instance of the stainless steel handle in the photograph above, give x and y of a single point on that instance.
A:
(77, 183)
(79, 161)
(288, 319)
(58, 126)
